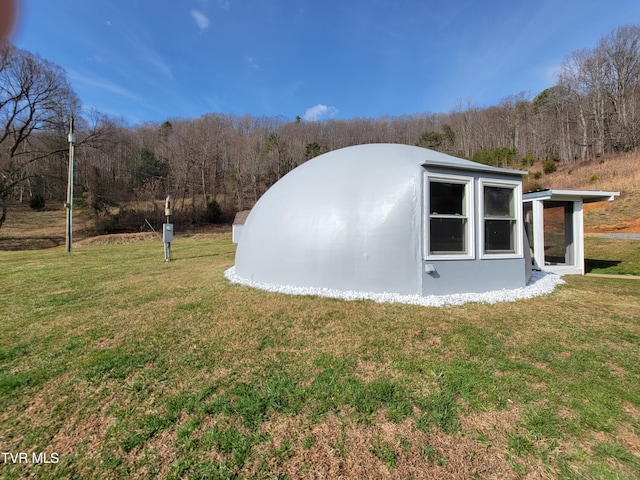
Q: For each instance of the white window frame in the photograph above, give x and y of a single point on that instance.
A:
(469, 254)
(517, 206)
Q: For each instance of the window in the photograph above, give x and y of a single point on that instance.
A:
(448, 203)
(501, 218)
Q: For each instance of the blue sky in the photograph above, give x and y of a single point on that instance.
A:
(153, 60)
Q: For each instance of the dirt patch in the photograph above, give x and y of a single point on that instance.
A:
(120, 239)
(208, 231)
(627, 226)
(619, 216)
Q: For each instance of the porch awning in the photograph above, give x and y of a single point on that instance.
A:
(587, 196)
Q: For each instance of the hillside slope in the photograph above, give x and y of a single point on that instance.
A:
(619, 173)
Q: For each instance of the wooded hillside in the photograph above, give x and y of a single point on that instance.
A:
(593, 110)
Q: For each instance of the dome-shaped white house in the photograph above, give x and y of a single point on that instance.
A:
(388, 218)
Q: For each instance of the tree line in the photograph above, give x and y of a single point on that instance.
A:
(229, 161)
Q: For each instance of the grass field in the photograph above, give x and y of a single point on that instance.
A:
(613, 256)
(116, 364)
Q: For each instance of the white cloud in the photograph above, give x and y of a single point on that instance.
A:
(252, 62)
(224, 4)
(319, 111)
(102, 83)
(201, 20)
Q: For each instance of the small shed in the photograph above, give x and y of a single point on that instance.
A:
(389, 218)
(238, 224)
(555, 227)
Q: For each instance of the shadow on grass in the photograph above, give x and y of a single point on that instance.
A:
(592, 264)
(29, 243)
(177, 258)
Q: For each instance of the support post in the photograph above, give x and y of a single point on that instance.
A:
(538, 232)
(69, 203)
(578, 236)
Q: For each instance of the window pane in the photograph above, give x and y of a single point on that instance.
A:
(498, 202)
(448, 235)
(446, 198)
(499, 236)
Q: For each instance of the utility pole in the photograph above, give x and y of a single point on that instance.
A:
(69, 204)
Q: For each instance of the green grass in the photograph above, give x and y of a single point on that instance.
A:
(613, 256)
(130, 367)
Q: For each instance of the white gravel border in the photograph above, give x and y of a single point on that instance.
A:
(541, 283)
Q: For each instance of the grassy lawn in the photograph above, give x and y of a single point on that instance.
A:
(119, 365)
(615, 256)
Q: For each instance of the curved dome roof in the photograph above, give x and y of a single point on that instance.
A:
(345, 220)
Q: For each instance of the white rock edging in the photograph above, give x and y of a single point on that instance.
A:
(541, 283)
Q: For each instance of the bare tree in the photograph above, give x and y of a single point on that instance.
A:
(621, 52)
(574, 77)
(595, 69)
(461, 121)
(35, 96)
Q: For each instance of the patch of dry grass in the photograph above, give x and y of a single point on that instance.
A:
(27, 229)
(620, 173)
(613, 173)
